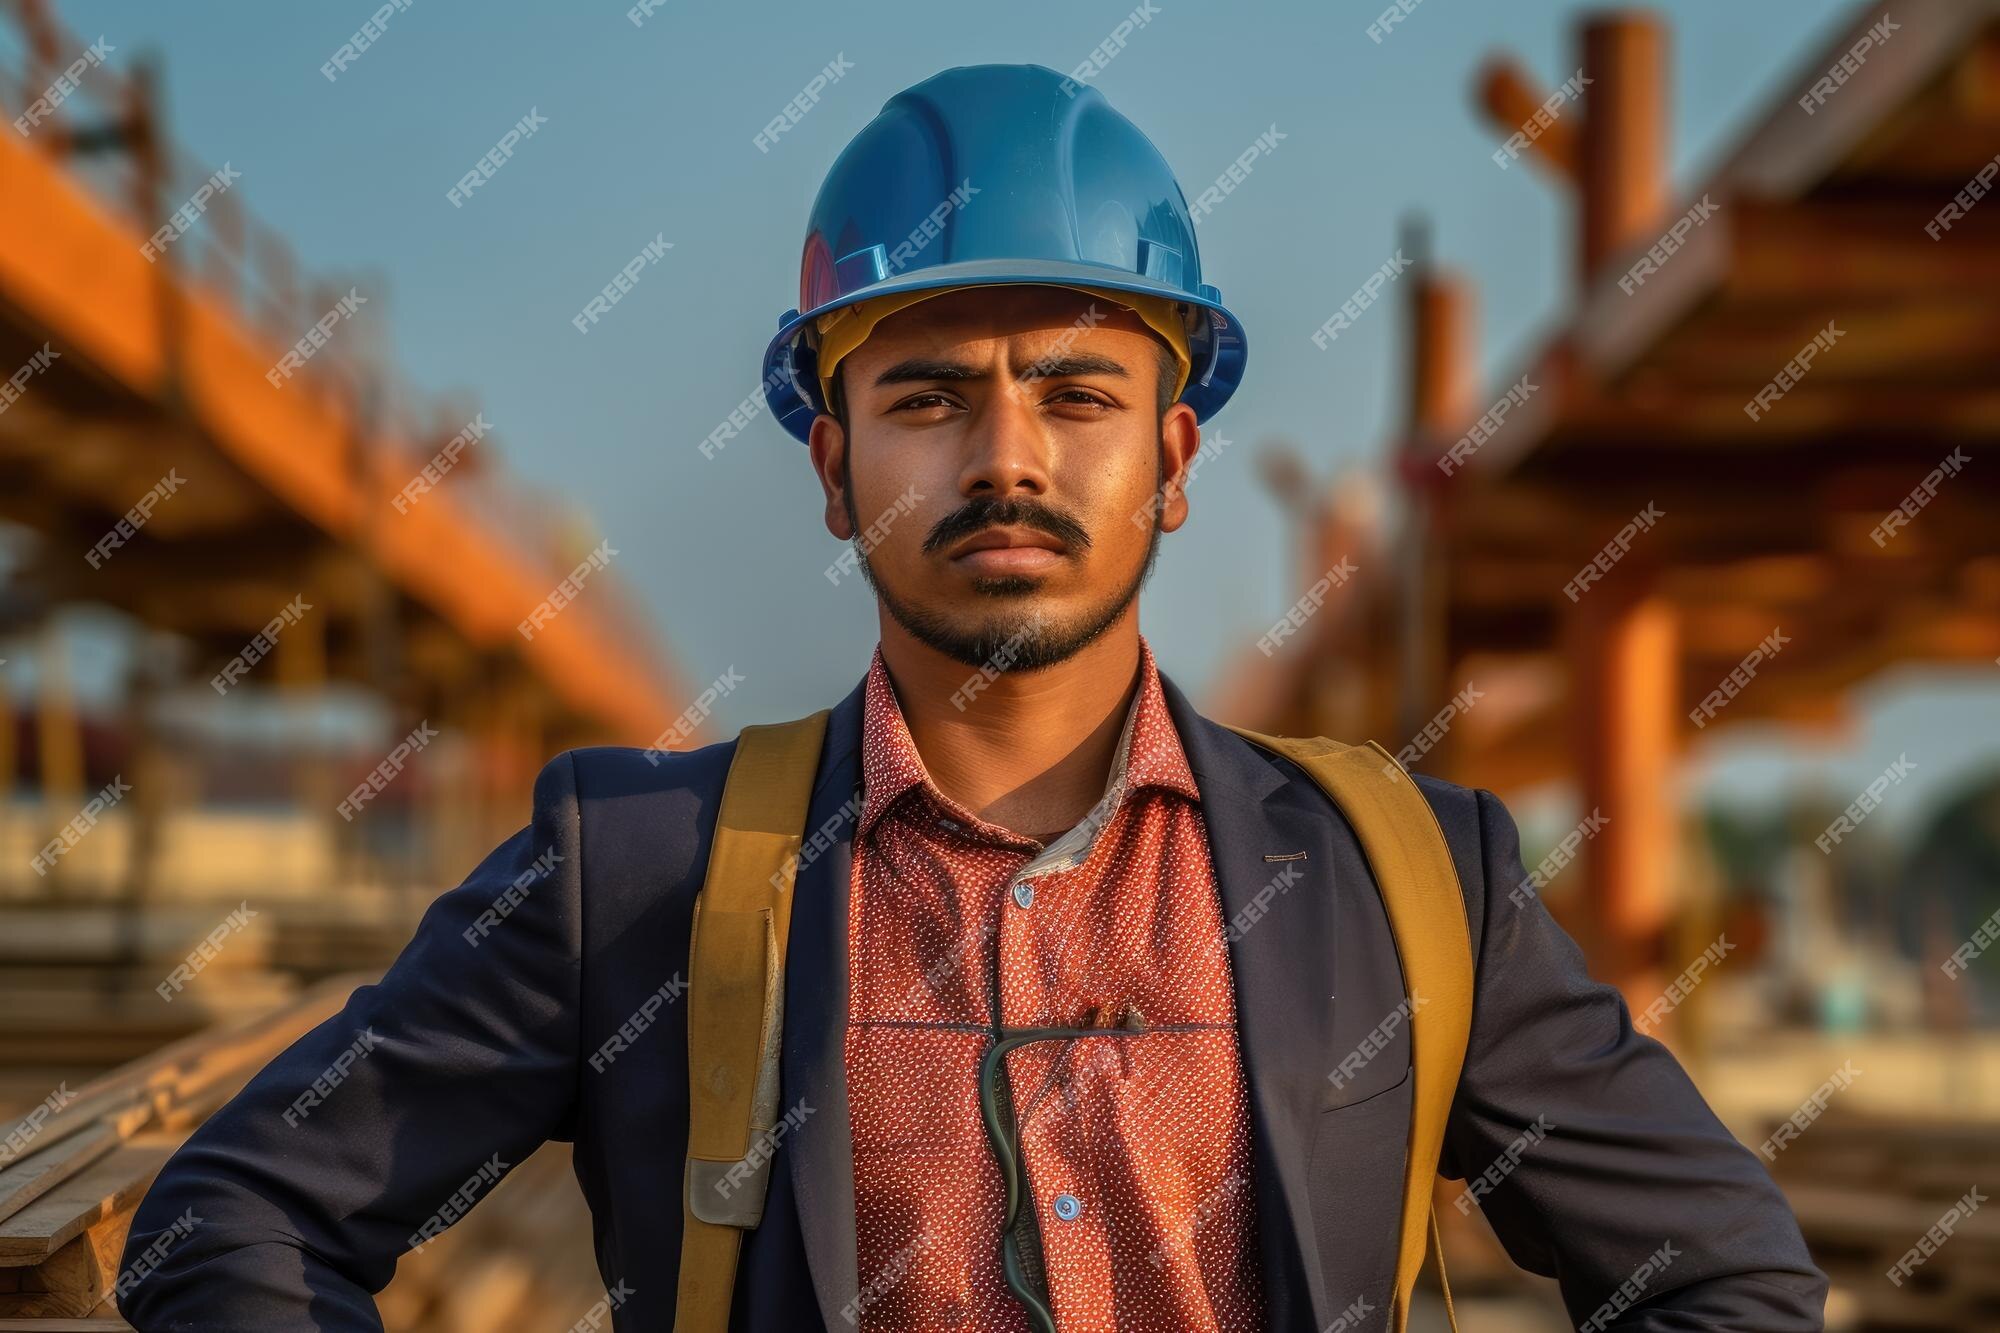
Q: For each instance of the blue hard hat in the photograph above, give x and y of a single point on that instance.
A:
(989, 174)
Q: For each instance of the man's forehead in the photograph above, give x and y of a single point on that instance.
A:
(974, 313)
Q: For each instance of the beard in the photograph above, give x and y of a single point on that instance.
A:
(1017, 633)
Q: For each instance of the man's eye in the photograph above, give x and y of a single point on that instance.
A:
(925, 400)
(1078, 396)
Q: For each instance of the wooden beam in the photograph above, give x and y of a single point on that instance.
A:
(1626, 707)
(1510, 98)
(1623, 142)
(33, 1235)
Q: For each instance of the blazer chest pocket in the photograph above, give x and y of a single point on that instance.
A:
(1372, 1062)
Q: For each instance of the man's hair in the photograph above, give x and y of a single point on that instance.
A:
(1169, 371)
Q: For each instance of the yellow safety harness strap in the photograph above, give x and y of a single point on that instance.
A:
(736, 989)
(1418, 882)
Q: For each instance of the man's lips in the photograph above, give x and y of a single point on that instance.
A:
(1008, 550)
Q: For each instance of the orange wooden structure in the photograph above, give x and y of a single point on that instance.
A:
(1848, 229)
(286, 484)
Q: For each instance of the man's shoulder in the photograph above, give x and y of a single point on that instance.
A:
(1456, 805)
(639, 819)
(600, 771)
(1466, 816)
(1458, 808)
(631, 802)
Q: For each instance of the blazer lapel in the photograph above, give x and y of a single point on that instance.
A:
(815, 1018)
(1280, 917)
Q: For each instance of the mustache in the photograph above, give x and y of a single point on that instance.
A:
(983, 513)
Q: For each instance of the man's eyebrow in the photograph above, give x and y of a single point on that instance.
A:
(927, 368)
(919, 369)
(1072, 363)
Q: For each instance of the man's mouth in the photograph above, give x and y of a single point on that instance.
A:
(1008, 550)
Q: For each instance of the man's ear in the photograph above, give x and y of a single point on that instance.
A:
(827, 445)
(1180, 441)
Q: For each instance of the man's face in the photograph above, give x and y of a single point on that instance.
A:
(1030, 413)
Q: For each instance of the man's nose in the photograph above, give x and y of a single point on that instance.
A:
(1006, 446)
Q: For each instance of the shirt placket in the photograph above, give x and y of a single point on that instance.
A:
(1031, 908)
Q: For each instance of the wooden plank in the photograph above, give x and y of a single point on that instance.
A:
(1890, 1217)
(73, 1282)
(45, 1226)
(46, 1168)
(138, 1093)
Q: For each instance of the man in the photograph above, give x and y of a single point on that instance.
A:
(1018, 822)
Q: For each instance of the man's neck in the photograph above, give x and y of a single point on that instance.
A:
(1029, 751)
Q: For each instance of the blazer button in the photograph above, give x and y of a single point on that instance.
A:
(1024, 894)
(1068, 1206)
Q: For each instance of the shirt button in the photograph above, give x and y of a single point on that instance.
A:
(1068, 1206)
(1024, 894)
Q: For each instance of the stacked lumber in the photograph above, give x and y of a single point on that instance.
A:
(1868, 1187)
(79, 1163)
(87, 977)
(521, 1259)
(89, 973)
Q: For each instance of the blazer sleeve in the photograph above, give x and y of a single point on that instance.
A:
(1592, 1153)
(289, 1206)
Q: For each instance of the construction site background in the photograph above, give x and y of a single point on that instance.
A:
(282, 645)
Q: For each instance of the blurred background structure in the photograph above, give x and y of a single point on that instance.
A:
(317, 578)
(1661, 528)
(1735, 487)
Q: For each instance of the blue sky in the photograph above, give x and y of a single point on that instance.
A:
(649, 131)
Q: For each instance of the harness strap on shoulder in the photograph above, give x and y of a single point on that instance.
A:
(1418, 881)
(736, 989)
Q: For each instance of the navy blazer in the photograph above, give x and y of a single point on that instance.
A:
(564, 1022)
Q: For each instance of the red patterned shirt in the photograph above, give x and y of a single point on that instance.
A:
(1136, 1145)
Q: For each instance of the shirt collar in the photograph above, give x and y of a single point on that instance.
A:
(1149, 753)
